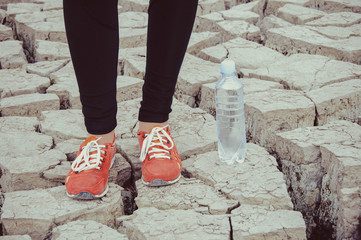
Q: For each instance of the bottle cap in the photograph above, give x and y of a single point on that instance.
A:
(228, 67)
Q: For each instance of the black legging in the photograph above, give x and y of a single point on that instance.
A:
(92, 33)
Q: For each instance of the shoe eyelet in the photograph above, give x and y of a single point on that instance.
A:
(100, 168)
(144, 136)
(105, 154)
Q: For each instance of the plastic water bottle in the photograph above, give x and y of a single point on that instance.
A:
(231, 127)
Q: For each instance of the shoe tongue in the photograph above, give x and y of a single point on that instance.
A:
(89, 139)
(154, 127)
(156, 141)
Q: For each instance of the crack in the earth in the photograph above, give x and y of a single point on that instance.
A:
(133, 127)
(264, 8)
(227, 52)
(230, 228)
(317, 72)
(315, 121)
(130, 190)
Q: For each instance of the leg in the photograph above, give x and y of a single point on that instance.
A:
(169, 28)
(92, 33)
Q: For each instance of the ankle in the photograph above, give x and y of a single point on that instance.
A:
(147, 126)
(105, 138)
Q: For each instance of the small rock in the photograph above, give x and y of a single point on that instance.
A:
(6, 33)
(68, 93)
(84, 229)
(341, 6)
(63, 124)
(236, 14)
(70, 147)
(28, 104)
(191, 79)
(271, 22)
(52, 29)
(40, 25)
(208, 6)
(297, 14)
(134, 66)
(300, 160)
(38, 211)
(215, 54)
(132, 37)
(22, 7)
(279, 110)
(50, 4)
(340, 187)
(11, 54)
(58, 173)
(134, 5)
(50, 51)
(15, 237)
(18, 124)
(128, 88)
(151, 223)
(230, 3)
(337, 101)
(307, 72)
(33, 16)
(199, 41)
(19, 144)
(66, 87)
(341, 19)
(255, 222)
(301, 39)
(338, 33)
(127, 53)
(273, 5)
(246, 54)
(208, 22)
(15, 82)
(257, 181)
(25, 173)
(45, 68)
(66, 71)
(185, 194)
(237, 28)
(3, 16)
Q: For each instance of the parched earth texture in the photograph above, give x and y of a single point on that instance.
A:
(299, 62)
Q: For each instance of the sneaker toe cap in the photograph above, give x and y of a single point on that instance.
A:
(78, 183)
(162, 169)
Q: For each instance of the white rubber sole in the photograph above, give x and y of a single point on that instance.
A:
(89, 196)
(160, 182)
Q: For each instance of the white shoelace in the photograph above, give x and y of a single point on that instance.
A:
(157, 133)
(85, 161)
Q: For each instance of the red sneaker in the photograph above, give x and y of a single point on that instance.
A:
(88, 177)
(161, 164)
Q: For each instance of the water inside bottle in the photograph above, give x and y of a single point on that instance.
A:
(230, 122)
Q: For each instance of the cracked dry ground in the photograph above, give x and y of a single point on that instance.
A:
(300, 63)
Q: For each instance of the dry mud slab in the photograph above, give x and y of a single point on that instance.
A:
(300, 60)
